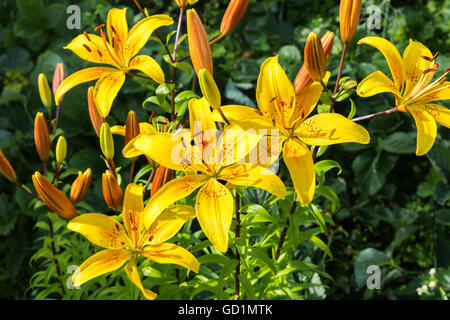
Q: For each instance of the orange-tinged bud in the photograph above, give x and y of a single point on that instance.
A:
(315, 60)
(54, 199)
(162, 176)
(349, 13)
(112, 193)
(303, 79)
(41, 137)
(199, 47)
(235, 11)
(184, 3)
(80, 186)
(44, 91)
(131, 127)
(96, 119)
(58, 77)
(6, 169)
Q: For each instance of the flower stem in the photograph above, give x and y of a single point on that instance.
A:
(55, 125)
(238, 235)
(174, 58)
(285, 229)
(27, 192)
(133, 165)
(152, 174)
(55, 261)
(341, 66)
(223, 116)
(58, 169)
(370, 116)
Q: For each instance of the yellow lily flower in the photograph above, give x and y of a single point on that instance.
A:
(411, 87)
(118, 52)
(283, 112)
(214, 203)
(126, 244)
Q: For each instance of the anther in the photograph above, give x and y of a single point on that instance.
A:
(99, 27)
(436, 55)
(87, 36)
(428, 58)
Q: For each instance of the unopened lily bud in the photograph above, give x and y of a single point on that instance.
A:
(112, 193)
(235, 11)
(131, 127)
(209, 88)
(184, 3)
(44, 91)
(199, 47)
(96, 119)
(80, 186)
(6, 169)
(303, 79)
(41, 137)
(53, 198)
(106, 141)
(315, 57)
(58, 77)
(162, 176)
(61, 150)
(349, 13)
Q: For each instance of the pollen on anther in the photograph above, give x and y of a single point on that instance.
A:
(87, 36)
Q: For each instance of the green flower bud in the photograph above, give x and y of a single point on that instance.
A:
(106, 141)
(61, 149)
(209, 88)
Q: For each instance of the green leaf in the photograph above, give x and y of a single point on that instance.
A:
(318, 242)
(327, 165)
(352, 110)
(364, 259)
(261, 254)
(214, 258)
(443, 216)
(401, 235)
(399, 143)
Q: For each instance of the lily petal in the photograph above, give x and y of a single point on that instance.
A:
(251, 175)
(376, 83)
(331, 128)
(80, 77)
(307, 100)
(133, 205)
(392, 56)
(168, 223)
(215, 207)
(100, 230)
(100, 263)
(144, 127)
(141, 32)
(171, 253)
(275, 93)
(133, 274)
(169, 150)
(299, 161)
(235, 113)
(149, 66)
(92, 48)
(117, 28)
(106, 89)
(439, 113)
(439, 93)
(415, 64)
(169, 193)
(426, 129)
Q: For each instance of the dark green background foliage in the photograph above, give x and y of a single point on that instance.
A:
(393, 208)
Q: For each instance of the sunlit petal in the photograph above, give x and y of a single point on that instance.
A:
(426, 129)
(215, 207)
(100, 230)
(93, 48)
(141, 32)
(235, 112)
(331, 128)
(415, 64)
(133, 274)
(168, 223)
(392, 56)
(253, 176)
(169, 193)
(376, 83)
(149, 66)
(100, 263)
(80, 77)
(133, 205)
(171, 253)
(439, 113)
(299, 161)
(105, 91)
(117, 28)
